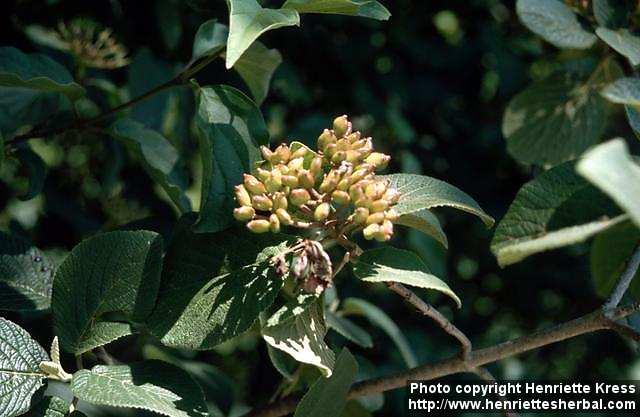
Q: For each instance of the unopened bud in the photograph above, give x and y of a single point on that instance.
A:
(242, 196)
(316, 166)
(290, 180)
(296, 164)
(299, 196)
(244, 213)
(341, 126)
(344, 184)
(328, 185)
(371, 190)
(263, 174)
(370, 231)
(266, 153)
(281, 154)
(339, 157)
(262, 202)
(284, 216)
(259, 226)
(340, 197)
(343, 145)
(274, 183)
(392, 215)
(274, 223)
(353, 137)
(322, 212)
(300, 152)
(391, 195)
(253, 185)
(330, 149)
(280, 201)
(353, 156)
(356, 193)
(378, 160)
(360, 215)
(379, 205)
(387, 227)
(325, 138)
(305, 179)
(375, 218)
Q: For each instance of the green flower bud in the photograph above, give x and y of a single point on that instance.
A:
(326, 138)
(341, 126)
(274, 223)
(242, 196)
(280, 201)
(266, 153)
(353, 137)
(370, 231)
(244, 213)
(290, 181)
(284, 216)
(259, 226)
(299, 196)
(263, 174)
(379, 205)
(322, 212)
(340, 197)
(305, 179)
(391, 215)
(281, 154)
(330, 150)
(356, 193)
(262, 202)
(353, 156)
(378, 160)
(343, 145)
(252, 185)
(344, 184)
(375, 218)
(299, 153)
(360, 215)
(328, 185)
(316, 166)
(339, 157)
(371, 190)
(296, 164)
(274, 183)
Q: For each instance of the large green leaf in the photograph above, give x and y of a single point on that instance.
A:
(328, 396)
(152, 385)
(556, 119)
(612, 13)
(624, 90)
(555, 23)
(363, 8)
(230, 130)
(558, 208)
(20, 374)
(256, 65)
(159, 158)
(26, 275)
(611, 168)
(623, 41)
(380, 319)
(20, 107)
(419, 193)
(36, 72)
(115, 272)
(51, 407)
(610, 253)
(214, 285)
(298, 329)
(387, 264)
(248, 20)
(348, 329)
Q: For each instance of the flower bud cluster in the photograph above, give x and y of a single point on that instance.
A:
(295, 186)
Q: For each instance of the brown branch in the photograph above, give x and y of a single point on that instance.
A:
(430, 311)
(624, 281)
(598, 320)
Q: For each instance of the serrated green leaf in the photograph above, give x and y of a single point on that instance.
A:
(159, 158)
(554, 22)
(379, 318)
(387, 264)
(610, 253)
(426, 222)
(214, 285)
(298, 329)
(610, 167)
(558, 208)
(327, 397)
(348, 329)
(557, 119)
(612, 13)
(50, 407)
(20, 374)
(419, 192)
(108, 273)
(36, 72)
(26, 276)
(36, 170)
(363, 8)
(248, 20)
(623, 42)
(256, 65)
(623, 91)
(230, 131)
(152, 385)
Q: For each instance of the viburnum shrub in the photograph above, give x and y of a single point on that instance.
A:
(269, 239)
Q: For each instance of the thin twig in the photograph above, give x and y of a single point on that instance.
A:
(341, 264)
(430, 311)
(624, 281)
(598, 320)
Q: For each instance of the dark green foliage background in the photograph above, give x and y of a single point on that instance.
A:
(432, 99)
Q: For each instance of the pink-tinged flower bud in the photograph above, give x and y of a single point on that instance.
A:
(360, 215)
(254, 186)
(353, 156)
(379, 205)
(322, 212)
(316, 166)
(274, 223)
(262, 202)
(242, 195)
(340, 197)
(391, 195)
(371, 190)
(299, 196)
(263, 174)
(300, 152)
(259, 226)
(266, 153)
(378, 160)
(305, 179)
(296, 164)
(341, 126)
(290, 181)
(353, 137)
(381, 236)
(328, 185)
(387, 227)
(281, 155)
(326, 138)
(343, 145)
(280, 201)
(244, 213)
(375, 218)
(344, 184)
(284, 216)
(392, 215)
(274, 183)
(370, 231)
